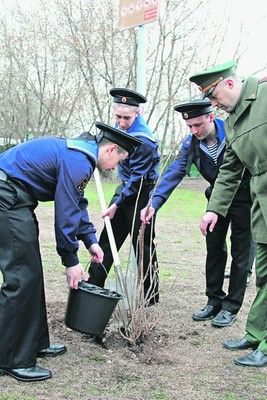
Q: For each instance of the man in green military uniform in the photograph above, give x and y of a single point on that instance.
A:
(246, 129)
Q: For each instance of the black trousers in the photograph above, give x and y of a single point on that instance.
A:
(238, 218)
(125, 222)
(23, 320)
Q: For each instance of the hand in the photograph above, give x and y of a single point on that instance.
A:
(96, 253)
(146, 214)
(209, 220)
(76, 274)
(110, 212)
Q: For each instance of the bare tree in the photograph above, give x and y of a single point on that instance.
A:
(42, 90)
(59, 60)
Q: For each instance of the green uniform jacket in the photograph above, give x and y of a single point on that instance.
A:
(246, 132)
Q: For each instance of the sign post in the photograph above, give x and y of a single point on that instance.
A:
(134, 13)
(141, 60)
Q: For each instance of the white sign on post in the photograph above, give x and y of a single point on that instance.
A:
(137, 12)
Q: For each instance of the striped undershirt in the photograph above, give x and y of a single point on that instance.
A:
(213, 151)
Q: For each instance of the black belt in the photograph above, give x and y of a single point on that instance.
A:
(144, 182)
(4, 177)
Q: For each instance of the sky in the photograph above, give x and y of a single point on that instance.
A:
(253, 16)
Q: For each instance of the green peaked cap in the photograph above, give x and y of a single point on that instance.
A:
(208, 79)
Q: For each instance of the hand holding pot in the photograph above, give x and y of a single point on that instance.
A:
(96, 253)
(76, 274)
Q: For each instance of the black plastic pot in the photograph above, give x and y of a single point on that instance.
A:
(89, 308)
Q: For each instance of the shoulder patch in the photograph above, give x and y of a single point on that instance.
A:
(81, 186)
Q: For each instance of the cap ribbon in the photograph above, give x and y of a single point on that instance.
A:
(213, 84)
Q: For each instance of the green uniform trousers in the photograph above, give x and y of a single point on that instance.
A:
(256, 327)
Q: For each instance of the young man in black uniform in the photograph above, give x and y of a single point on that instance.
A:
(205, 148)
(45, 169)
(141, 168)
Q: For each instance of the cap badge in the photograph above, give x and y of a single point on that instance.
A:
(124, 99)
(185, 115)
